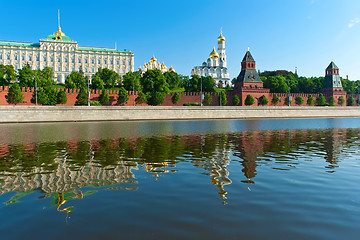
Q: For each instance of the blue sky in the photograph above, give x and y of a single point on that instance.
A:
(281, 34)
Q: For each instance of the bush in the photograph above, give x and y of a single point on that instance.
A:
(236, 100)
(320, 100)
(141, 98)
(15, 95)
(350, 101)
(299, 100)
(249, 100)
(104, 97)
(275, 100)
(263, 100)
(331, 101)
(82, 98)
(123, 96)
(207, 99)
(287, 101)
(156, 98)
(223, 98)
(341, 100)
(175, 98)
(310, 100)
(95, 103)
(191, 104)
(61, 97)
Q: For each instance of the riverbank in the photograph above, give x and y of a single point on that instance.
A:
(24, 114)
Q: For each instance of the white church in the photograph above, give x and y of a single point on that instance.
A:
(215, 66)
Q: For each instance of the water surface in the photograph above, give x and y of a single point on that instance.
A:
(226, 179)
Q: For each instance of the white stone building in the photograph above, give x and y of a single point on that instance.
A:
(215, 66)
(63, 54)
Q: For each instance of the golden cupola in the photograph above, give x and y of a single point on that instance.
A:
(163, 66)
(171, 69)
(153, 59)
(214, 54)
(221, 38)
(59, 34)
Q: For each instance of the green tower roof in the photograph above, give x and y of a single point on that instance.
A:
(248, 57)
(332, 65)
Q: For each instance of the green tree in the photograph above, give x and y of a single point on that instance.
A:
(26, 77)
(154, 81)
(263, 100)
(207, 99)
(61, 97)
(14, 95)
(175, 98)
(249, 100)
(320, 100)
(331, 101)
(45, 96)
(276, 84)
(109, 77)
(75, 80)
(299, 100)
(193, 84)
(208, 84)
(7, 74)
(82, 97)
(310, 101)
(350, 101)
(141, 98)
(123, 96)
(45, 77)
(341, 100)
(104, 97)
(156, 98)
(275, 100)
(131, 78)
(223, 98)
(173, 79)
(97, 82)
(236, 100)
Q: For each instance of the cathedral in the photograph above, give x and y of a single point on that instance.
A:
(215, 66)
(154, 64)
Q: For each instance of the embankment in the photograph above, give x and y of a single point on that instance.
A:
(17, 114)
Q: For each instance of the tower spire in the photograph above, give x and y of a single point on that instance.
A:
(59, 18)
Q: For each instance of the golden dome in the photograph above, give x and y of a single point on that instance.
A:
(153, 59)
(145, 66)
(171, 69)
(221, 38)
(163, 66)
(59, 34)
(214, 54)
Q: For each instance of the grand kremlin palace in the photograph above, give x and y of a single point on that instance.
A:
(63, 54)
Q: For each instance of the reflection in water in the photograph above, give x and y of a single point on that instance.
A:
(65, 170)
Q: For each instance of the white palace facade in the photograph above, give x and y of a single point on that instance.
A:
(63, 55)
(216, 65)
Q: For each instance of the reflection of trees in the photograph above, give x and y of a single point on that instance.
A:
(62, 167)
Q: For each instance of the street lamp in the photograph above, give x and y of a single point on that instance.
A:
(201, 94)
(88, 80)
(35, 90)
(289, 97)
(134, 91)
(358, 100)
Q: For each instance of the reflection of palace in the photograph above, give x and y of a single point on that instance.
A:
(60, 170)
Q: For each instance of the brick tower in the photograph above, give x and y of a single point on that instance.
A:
(332, 83)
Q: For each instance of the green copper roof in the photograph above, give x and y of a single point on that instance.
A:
(19, 44)
(248, 75)
(248, 57)
(332, 65)
(52, 37)
(97, 49)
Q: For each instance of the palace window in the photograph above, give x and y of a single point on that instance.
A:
(86, 61)
(99, 61)
(59, 68)
(44, 58)
(0, 55)
(92, 61)
(30, 58)
(123, 62)
(66, 69)
(51, 59)
(16, 57)
(86, 69)
(93, 70)
(37, 58)
(73, 60)
(58, 59)
(66, 60)
(22, 58)
(79, 60)
(117, 62)
(111, 62)
(105, 61)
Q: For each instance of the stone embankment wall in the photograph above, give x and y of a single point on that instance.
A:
(11, 114)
